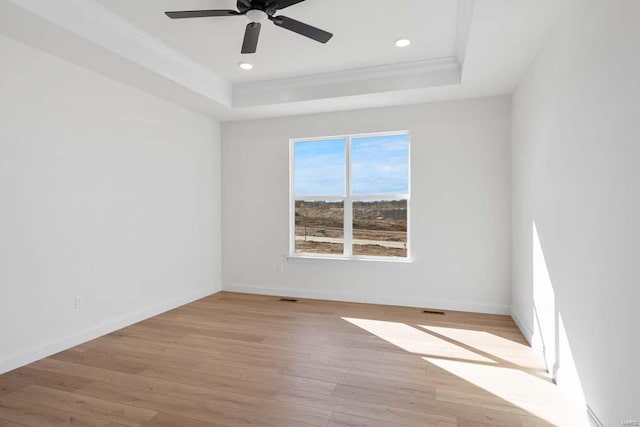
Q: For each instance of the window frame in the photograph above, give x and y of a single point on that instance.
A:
(348, 199)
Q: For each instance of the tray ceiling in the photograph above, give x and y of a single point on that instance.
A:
(364, 34)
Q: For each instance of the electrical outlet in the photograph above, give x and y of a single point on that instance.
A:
(78, 302)
(280, 268)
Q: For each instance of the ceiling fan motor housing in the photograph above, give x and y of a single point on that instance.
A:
(265, 6)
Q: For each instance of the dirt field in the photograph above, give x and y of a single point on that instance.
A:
(373, 221)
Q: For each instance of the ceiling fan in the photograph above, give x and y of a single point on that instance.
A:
(259, 11)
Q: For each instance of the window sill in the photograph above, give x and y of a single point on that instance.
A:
(312, 257)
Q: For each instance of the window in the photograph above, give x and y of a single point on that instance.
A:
(350, 196)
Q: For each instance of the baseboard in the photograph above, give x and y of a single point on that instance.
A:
(370, 299)
(593, 419)
(555, 372)
(526, 332)
(23, 358)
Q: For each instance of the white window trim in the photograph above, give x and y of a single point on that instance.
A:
(347, 200)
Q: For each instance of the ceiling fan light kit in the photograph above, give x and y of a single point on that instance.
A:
(259, 11)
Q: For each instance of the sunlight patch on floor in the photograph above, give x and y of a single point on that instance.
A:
(490, 344)
(512, 389)
(512, 379)
(415, 341)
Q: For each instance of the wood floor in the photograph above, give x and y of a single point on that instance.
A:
(234, 359)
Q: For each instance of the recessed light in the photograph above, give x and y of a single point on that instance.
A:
(403, 42)
(245, 65)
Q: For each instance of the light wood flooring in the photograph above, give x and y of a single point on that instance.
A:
(233, 359)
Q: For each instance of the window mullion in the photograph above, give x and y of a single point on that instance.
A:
(348, 205)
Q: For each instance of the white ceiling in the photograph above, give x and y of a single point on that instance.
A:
(460, 49)
(364, 34)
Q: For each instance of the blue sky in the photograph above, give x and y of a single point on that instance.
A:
(379, 165)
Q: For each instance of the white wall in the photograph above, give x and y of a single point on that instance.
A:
(106, 193)
(460, 209)
(576, 176)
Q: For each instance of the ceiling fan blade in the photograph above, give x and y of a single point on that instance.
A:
(283, 4)
(200, 13)
(301, 28)
(251, 35)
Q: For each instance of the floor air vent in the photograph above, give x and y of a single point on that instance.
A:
(439, 313)
(288, 299)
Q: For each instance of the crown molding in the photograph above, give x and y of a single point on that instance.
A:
(94, 22)
(386, 78)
